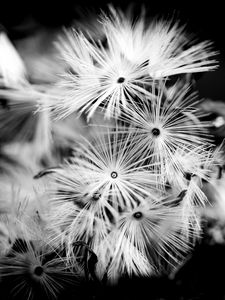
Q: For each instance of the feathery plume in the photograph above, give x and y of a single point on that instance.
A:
(146, 234)
(170, 129)
(99, 77)
(136, 54)
(163, 44)
(127, 201)
(110, 165)
(33, 273)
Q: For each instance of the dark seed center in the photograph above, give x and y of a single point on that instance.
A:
(114, 175)
(188, 176)
(138, 215)
(96, 196)
(120, 80)
(155, 131)
(38, 271)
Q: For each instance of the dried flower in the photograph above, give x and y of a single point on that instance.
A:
(136, 55)
(164, 45)
(34, 272)
(171, 131)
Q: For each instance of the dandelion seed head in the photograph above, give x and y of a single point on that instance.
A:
(147, 234)
(104, 77)
(108, 165)
(31, 263)
(172, 130)
(111, 194)
(103, 179)
(164, 44)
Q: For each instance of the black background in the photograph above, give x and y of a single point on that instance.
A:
(206, 20)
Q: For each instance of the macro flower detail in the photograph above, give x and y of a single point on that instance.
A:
(33, 274)
(145, 234)
(136, 54)
(169, 130)
(110, 165)
(99, 78)
(107, 161)
(103, 178)
(156, 42)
